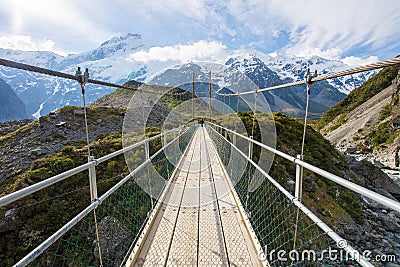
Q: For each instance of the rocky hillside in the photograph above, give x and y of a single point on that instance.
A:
(29, 140)
(367, 121)
(11, 107)
(366, 127)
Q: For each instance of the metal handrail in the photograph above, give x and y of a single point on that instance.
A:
(59, 177)
(395, 205)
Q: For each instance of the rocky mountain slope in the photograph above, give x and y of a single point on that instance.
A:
(111, 62)
(29, 140)
(365, 126)
(11, 107)
(367, 121)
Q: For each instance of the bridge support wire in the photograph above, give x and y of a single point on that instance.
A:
(82, 80)
(251, 145)
(237, 103)
(300, 171)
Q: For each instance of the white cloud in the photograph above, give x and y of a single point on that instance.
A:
(69, 23)
(303, 50)
(327, 28)
(324, 27)
(357, 61)
(182, 53)
(194, 8)
(25, 43)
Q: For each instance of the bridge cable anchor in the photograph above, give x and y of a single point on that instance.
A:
(308, 76)
(82, 79)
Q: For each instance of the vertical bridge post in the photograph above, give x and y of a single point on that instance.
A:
(165, 139)
(250, 148)
(298, 184)
(209, 96)
(146, 148)
(92, 180)
(147, 154)
(193, 95)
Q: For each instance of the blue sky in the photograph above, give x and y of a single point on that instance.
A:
(356, 30)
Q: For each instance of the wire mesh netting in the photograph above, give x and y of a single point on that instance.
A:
(120, 217)
(275, 219)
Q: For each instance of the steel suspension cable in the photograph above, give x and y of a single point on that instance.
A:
(27, 67)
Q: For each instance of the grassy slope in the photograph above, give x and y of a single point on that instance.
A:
(358, 96)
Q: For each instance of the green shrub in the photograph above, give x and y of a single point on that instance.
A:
(40, 174)
(385, 112)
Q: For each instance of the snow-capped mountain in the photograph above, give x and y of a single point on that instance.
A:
(291, 68)
(42, 94)
(267, 71)
(263, 71)
(237, 77)
(111, 62)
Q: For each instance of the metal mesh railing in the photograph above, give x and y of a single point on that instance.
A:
(273, 217)
(120, 217)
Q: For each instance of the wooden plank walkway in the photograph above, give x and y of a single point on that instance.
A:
(199, 222)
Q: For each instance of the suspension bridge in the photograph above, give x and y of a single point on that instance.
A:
(194, 202)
